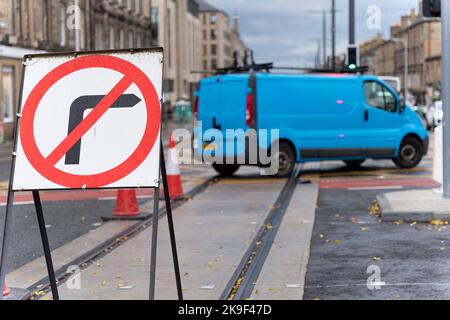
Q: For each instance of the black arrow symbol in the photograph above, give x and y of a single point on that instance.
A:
(77, 109)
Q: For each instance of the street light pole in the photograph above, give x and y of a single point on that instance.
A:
(351, 30)
(333, 34)
(406, 63)
(445, 88)
(324, 35)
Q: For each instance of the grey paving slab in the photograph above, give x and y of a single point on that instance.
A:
(213, 232)
(283, 274)
(414, 205)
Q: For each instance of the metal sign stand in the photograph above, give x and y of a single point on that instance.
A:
(43, 232)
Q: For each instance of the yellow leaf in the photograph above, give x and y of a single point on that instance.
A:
(210, 264)
(104, 283)
(365, 229)
(337, 241)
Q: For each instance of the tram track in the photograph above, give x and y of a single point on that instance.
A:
(243, 280)
(42, 287)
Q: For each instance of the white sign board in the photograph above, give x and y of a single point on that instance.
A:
(90, 121)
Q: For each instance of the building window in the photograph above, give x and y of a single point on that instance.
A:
(155, 26)
(214, 64)
(213, 19)
(130, 39)
(205, 35)
(112, 41)
(205, 50)
(139, 41)
(122, 39)
(79, 33)
(62, 25)
(8, 93)
(205, 64)
(213, 35)
(213, 49)
(138, 7)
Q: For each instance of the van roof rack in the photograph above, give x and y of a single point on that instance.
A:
(251, 66)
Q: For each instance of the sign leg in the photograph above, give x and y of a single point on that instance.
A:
(6, 241)
(154, 243)
(173, 241)
(45, 244)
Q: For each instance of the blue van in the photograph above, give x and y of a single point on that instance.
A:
(320, 117)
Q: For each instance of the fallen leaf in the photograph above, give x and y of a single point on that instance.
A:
(365, 229)
(104, 283)
(438, 222)
(376, 259)
(337, 241)
(210, 264)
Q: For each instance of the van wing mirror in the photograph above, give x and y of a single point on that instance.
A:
(402, 105)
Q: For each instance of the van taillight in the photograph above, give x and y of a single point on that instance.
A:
(249, 110)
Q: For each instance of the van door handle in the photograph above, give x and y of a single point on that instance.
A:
(366, 115)
(216, 125)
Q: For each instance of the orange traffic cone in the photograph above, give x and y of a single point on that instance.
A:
(173, 172)
(6, 290)
(126, 205)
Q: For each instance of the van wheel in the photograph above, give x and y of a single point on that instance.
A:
(286, 160)
(410, 153)
(226, 170)
(354, 163)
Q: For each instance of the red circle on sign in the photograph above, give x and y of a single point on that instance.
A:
(69, 180)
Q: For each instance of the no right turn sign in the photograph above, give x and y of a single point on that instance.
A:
(90, 121)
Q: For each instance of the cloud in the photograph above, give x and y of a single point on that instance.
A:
(287, 32)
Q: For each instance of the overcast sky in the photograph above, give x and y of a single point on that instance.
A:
(285, 32)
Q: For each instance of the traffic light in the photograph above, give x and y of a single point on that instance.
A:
(353, 57)
(432, 8)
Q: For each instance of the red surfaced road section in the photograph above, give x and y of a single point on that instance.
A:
(53, 196)
(367, 183)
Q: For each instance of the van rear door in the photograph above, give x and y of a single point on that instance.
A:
(222, 107)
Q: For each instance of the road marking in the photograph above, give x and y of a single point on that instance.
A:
(376, 188)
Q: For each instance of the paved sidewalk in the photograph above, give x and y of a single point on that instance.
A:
(283, 275)
(212, 233)
(31, 274)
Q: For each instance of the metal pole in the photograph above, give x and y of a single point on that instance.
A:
(333, 34)
(173, 240)
(154, 247)
(324, 35)
(351, 33)
(406, 61)
(45, 244)
(7, 230)
(445, 88)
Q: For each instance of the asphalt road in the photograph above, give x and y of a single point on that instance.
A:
(413, 260)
